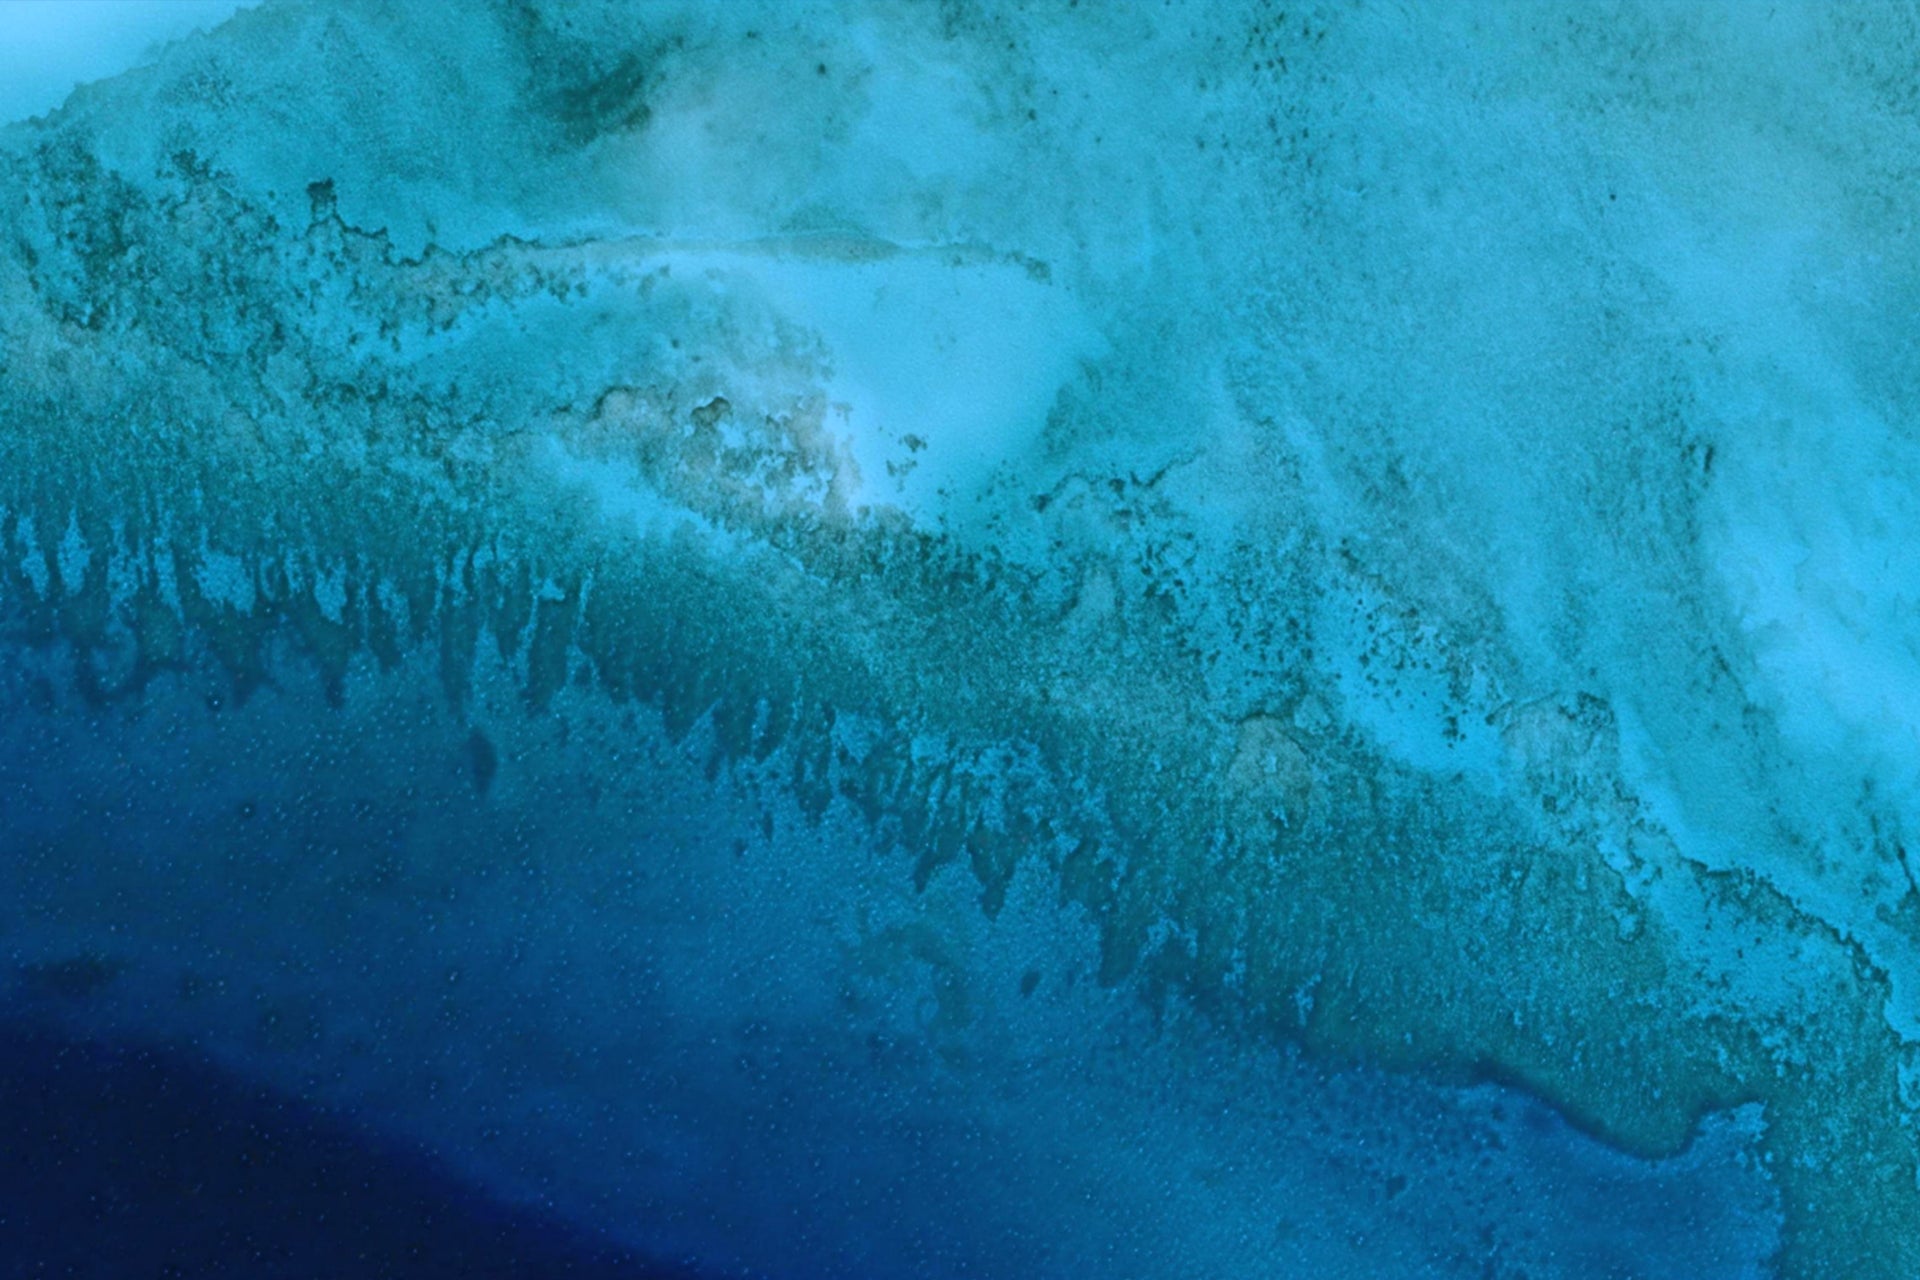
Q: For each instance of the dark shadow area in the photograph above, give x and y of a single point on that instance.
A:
(139, 1161)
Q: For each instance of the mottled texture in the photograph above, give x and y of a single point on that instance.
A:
(905, 595)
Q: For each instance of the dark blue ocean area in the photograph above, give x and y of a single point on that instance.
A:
(984, 638)
(139, 1160)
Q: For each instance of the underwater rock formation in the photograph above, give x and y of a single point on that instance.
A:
(1205, 637)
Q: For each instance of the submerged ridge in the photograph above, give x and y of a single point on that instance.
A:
(1255, 677)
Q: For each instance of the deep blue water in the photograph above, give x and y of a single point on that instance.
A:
(318, 990)
(123, 1160)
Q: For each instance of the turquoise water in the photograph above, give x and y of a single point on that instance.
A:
(966, 639)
